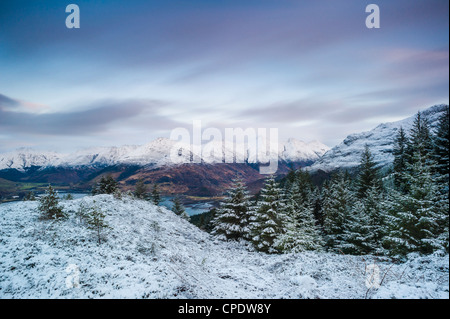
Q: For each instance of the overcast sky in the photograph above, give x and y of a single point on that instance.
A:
(134, 70)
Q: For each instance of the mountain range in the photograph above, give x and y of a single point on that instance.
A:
(209, 176)
(152, 163)
(155, 154)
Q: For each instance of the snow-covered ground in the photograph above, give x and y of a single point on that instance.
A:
(149, 252)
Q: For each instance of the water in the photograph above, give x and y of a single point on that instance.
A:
(61, 195)
(191, 209)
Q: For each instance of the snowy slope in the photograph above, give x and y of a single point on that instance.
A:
(149, 252)
(156, 153)
(297, 151)
(380, 141)
(25, 158)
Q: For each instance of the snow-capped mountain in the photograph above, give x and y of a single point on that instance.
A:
(297, 151)
(24, 158)
(380, 141)
(158, 153)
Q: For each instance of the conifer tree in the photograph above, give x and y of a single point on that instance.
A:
(338, 207)
(364, 225)
(420, 141)
(367, 228)
(400, 159)
(441, 159)
(140, 189)
(441, 150)
(414, 216)
(317, 205)
(232, 218)
(299, 230)
(266, 222)
(156, 195)
(368, 173)
(49, 205)
(30, 196)
(95, 220)
(106, 185)
(179, 209)
(68, 196)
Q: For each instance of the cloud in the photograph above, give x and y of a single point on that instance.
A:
(6, 102)
(97, 117)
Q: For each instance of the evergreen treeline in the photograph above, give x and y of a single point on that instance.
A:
(402, 211)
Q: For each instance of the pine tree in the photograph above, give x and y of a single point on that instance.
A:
(441, 159)
(299, 229)
(368, 228)
(441, 151)
(317, 203)
(30, 196)
(68, 196)
(140, 190)
(400, 159)
(266, 222)
(95, 220)
(179, 209)
(420, 141)
(49, 205)
(338, 207)
(232, 217)
(413, 217)
(156, 195)
(368, 173)
(364, 225)
(106, 185)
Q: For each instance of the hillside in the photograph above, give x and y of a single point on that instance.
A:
(380, 141)
(149, 252)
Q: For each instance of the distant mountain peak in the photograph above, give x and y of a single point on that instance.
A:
(380, 141)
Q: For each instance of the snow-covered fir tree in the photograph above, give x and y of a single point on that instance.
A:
(368, 226)
(266, 222)
(299, 229)
(441, 159)
(232, 217)
(49, 205)
(106, 185)
(368, 173)
(420, 141)
(338, 208)
(95, 220)
(365, 228)
(414, 216)
(441, 146)
(400, 159)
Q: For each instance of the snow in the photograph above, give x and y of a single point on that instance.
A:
(156, 153)
(380, 141)
(149, 252)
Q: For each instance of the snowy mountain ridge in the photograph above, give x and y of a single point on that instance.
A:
(380, 141)
(156, 153)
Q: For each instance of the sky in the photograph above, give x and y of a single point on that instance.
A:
(135, 70)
